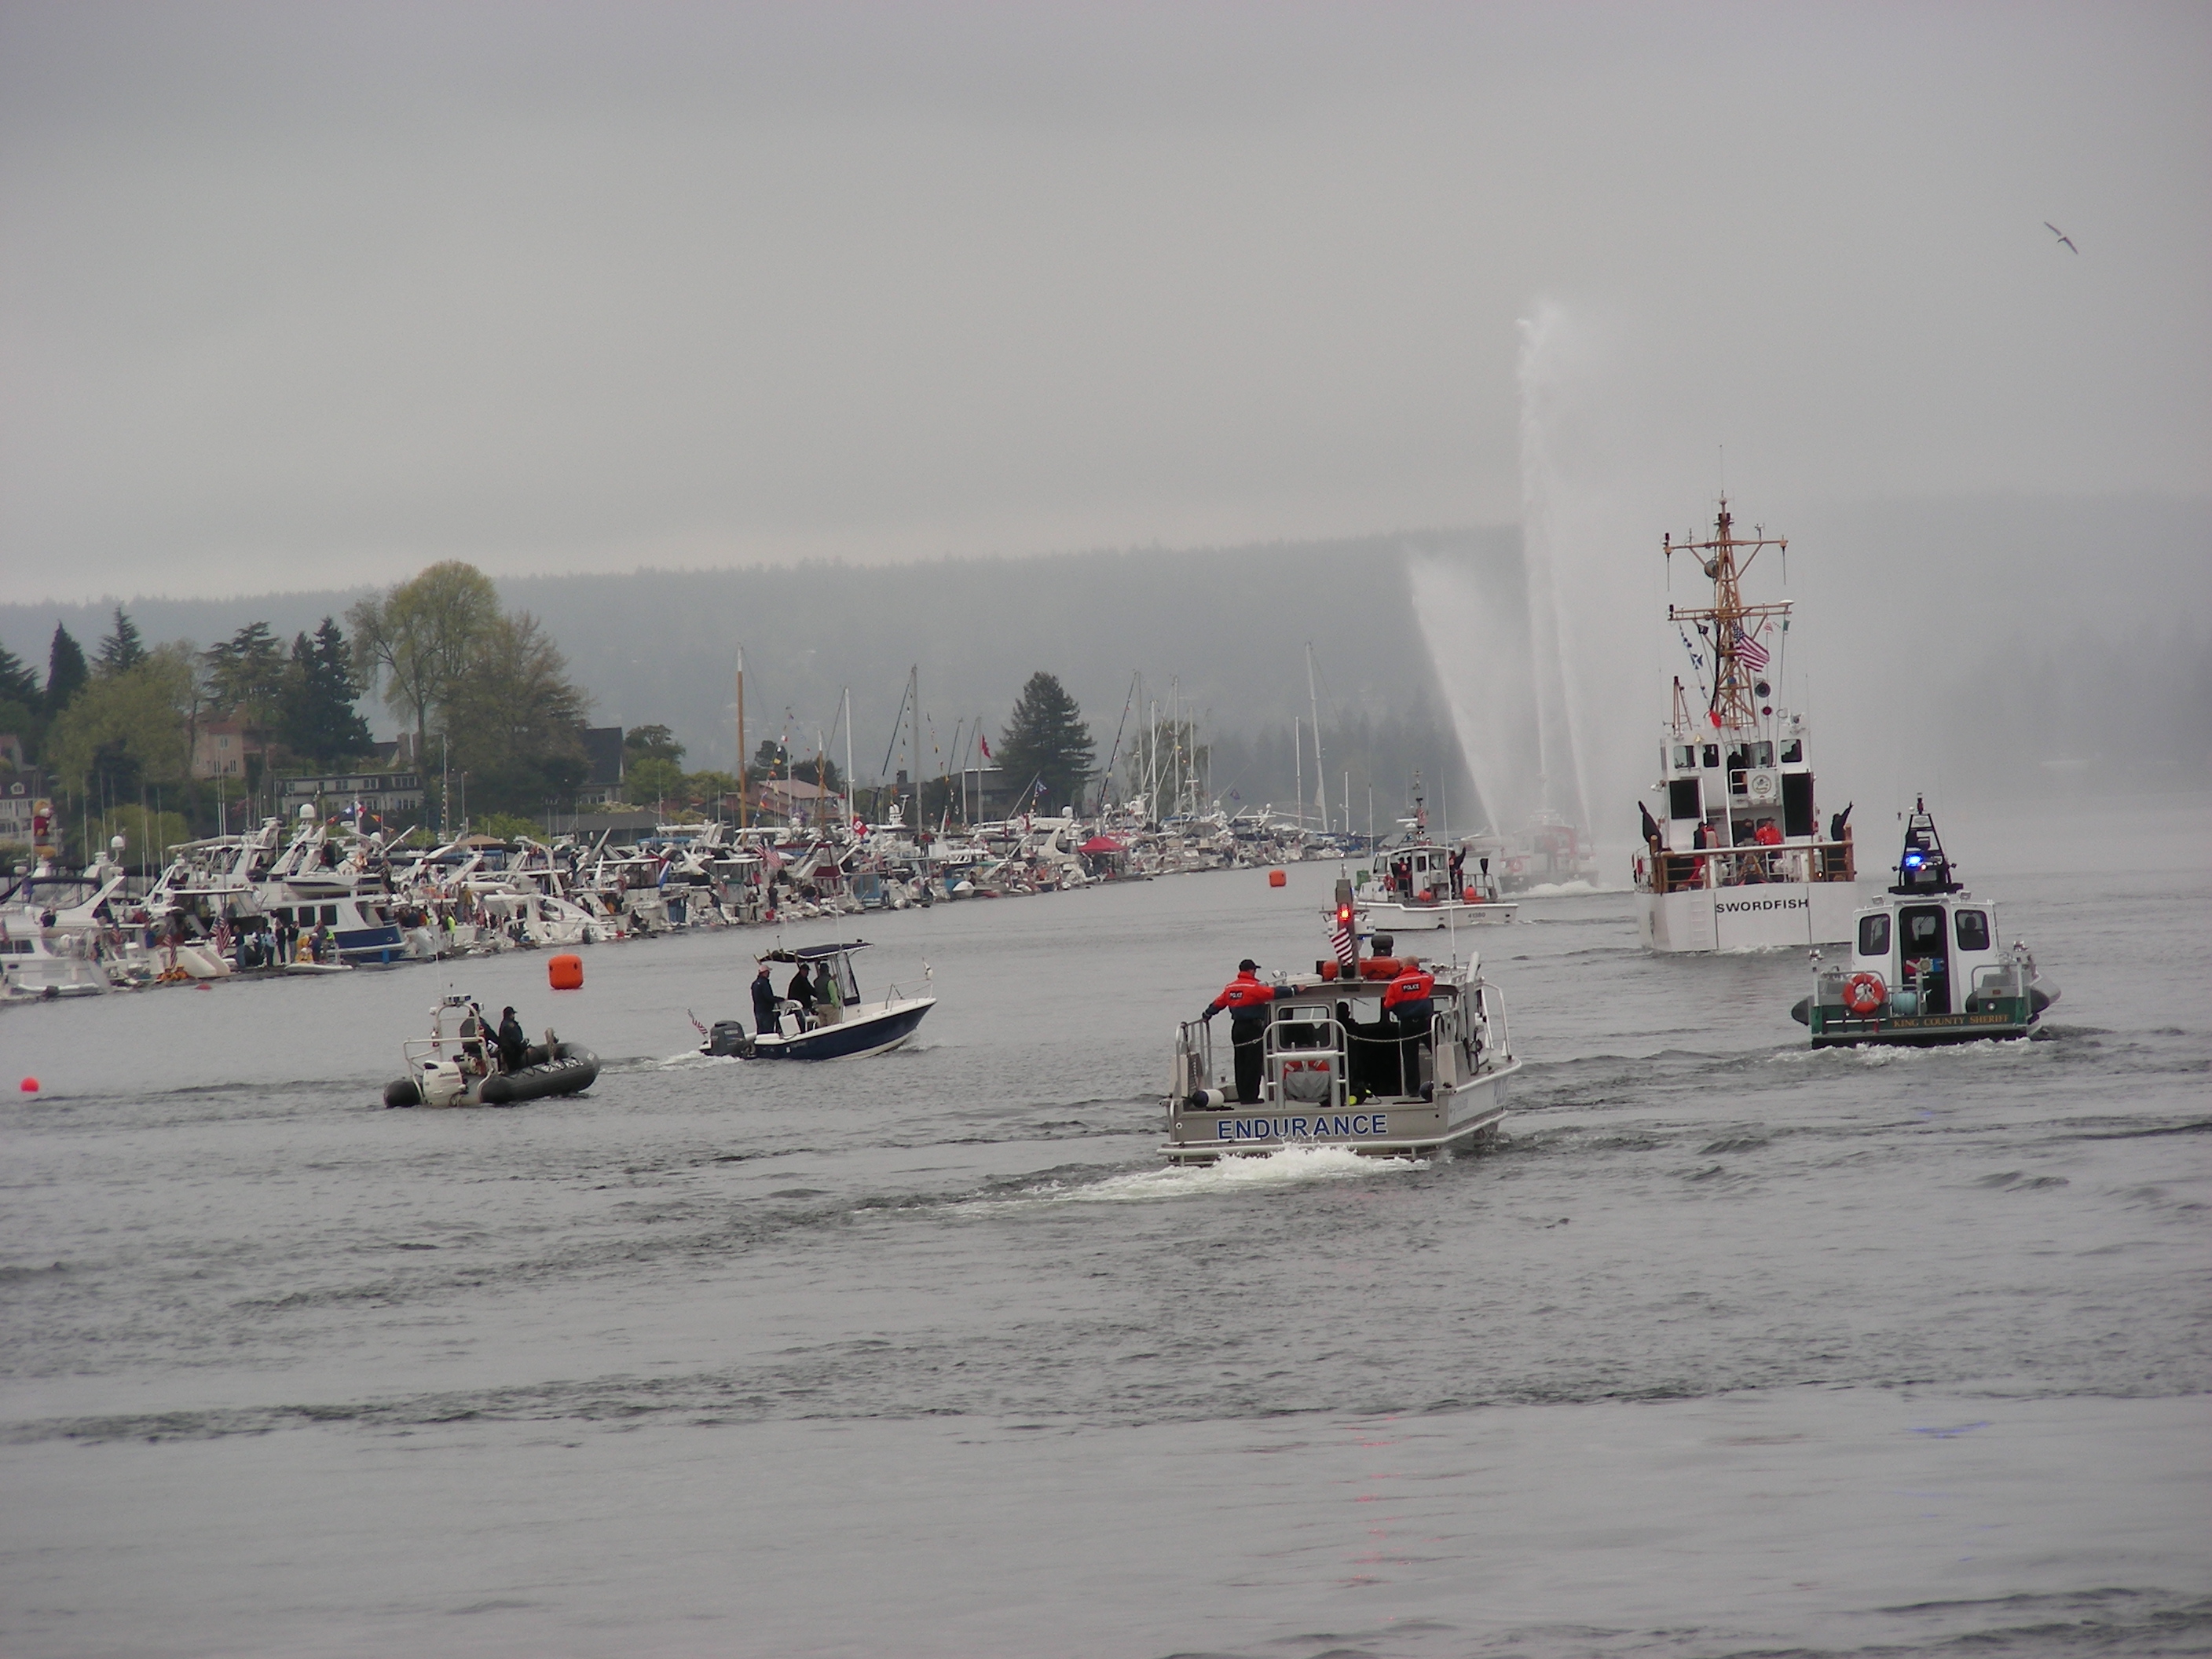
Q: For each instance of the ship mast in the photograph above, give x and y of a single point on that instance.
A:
(1724, 559)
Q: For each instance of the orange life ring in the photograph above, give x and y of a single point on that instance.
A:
(1864, 994)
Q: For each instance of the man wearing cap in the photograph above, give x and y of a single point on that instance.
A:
(1247, 1000)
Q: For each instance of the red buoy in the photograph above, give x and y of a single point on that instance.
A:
(1277, 878)
(30, 1085)
(566, 972)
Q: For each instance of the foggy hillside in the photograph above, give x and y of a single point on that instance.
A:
(1996, 647)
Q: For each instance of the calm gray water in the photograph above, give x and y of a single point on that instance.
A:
(1728, 1347)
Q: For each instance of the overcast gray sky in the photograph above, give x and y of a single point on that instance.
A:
(297, 295)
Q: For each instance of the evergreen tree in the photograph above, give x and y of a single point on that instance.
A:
(20, 701)
(122, 650)
(66, 672)
(18, 682)
(1047, 742)
(245, 674)
(318, 721)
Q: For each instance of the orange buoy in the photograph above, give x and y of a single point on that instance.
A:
(566, 972)
(1277, 878)
(30, 1085)
(1472, 897)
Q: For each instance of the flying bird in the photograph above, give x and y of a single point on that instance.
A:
(2062, 236)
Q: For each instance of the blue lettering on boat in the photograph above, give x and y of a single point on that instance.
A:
(1300, 1128)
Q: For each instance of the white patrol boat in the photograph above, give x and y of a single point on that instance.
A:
(1734, 859)
(1337, 1069)
(835, 1025)
(1925, 966)
(1414, 889)
(1419, 885)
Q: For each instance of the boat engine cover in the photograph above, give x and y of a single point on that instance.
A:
(442, 1083)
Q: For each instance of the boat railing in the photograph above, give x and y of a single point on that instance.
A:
(1307, 1062)
(1487, 1006)
(1997, 980)
(1193, 1060)
(1794, 862)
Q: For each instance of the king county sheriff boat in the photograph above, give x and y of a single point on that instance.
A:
(1717, 872)
(1336, 1071)
(1925, 966)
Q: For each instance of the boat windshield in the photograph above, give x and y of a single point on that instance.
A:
(52, 892)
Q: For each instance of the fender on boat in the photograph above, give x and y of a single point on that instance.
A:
(1803, 1012)
(2040, 999)
(568, 1069)
(401, 1091)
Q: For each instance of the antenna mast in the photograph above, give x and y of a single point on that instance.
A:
(1724, 558)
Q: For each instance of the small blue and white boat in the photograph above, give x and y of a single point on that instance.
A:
(836, 1026)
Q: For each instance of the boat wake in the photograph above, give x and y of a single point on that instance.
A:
(1289, 1166)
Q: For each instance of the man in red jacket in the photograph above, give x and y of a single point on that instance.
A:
(1248, 1001)
(1409, 1000)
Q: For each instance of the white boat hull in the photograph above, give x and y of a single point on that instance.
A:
(1760, 917)
(1457, 1118)
(1389, 918)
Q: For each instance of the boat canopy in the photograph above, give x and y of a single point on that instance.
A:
(811, 953)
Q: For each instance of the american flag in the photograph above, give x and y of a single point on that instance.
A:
(1748, 648)
(1347, 947)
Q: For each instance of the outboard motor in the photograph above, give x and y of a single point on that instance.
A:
(727, 1040)
(443, 1083)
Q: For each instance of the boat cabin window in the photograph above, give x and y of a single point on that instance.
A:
(1762, 755)
(1792, 752)
(1924, 932)
(1737, 758)
(1685, 799)
(1874, 935)
(1973, 927)
(1712, 755)
(1685, 756)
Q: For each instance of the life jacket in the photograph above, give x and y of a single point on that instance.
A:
(1414, 985)
(1245, 995)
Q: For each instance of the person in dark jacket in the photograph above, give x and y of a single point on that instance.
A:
(513, 1043)
(801, 991)
(1248, 1001)
(763, 1004)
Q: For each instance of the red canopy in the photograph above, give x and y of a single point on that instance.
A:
(1102, 844)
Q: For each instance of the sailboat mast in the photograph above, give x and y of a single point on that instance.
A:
(1320, 771)
(741, 740)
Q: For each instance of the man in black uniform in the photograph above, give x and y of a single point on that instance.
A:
(513, 1043)
(1248, 1002)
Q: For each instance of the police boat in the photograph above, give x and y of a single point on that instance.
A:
(836, 1026)
(448, 1069)
(1384, 1055)
(1421, 885)
(1925, 965)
